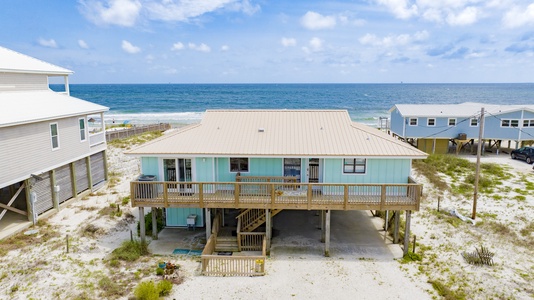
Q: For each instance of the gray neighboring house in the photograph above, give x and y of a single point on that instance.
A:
(52, 145)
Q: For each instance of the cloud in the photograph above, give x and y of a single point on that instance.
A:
(112, 12)
(451, 12)
(393, 40)
(437, 51)
(519, 16)
(400, 8)
(526, 44)
(51, 43)
(467, 16)
(83, 44)
(184, 11)
(177, 46)
(315, 21)
(314, 45)
(201, 48)
(458, 53)
(288, 42)
(225, 48)
(129, 48)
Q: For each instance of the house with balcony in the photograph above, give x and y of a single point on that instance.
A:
(433, 128)
(261, 162)
(53, 145)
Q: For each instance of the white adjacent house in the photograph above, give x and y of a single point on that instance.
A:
(52, 145)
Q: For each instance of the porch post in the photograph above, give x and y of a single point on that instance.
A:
(142, 224)
(396, 230)
(407, 232)
(154, 223)
(322, 226)
(327, 237)
(208, 223)
(29, 204)
(268, 230)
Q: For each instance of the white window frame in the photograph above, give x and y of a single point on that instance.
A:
(410, 121)
(428, 122)
(471, 122)
(449, 122)
(238, 171)
(83, 131)
(54, 136)
(528, 123)
(354, 165)
(509, 123)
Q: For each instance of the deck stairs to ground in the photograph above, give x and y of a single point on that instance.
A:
(254, 218)
(226, 244)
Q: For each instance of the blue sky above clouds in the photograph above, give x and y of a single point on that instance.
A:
(248, 41)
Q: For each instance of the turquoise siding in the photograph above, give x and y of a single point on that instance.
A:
(178, 216)
(149, 166)
(204, 169)
(377, 171)
(257, 167)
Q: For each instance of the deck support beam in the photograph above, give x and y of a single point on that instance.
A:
(396, 229)
(142, 224)
(268, 230)
(208, 223)
(407, 232)
(154, 223)
(327, 234)
(322, 226)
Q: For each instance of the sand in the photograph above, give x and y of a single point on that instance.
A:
(45, 271)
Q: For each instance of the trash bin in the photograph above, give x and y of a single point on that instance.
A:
(146, 191)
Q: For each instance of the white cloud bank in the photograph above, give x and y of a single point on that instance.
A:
(129, 48)
(83, 44)
(519, 16)
(315, 21)
(126, 13)
(393, 40)
(201, 48)
(288, 42)
(112, 12)
(51, 43)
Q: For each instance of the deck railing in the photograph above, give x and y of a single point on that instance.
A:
(97, 138)
(276, 195)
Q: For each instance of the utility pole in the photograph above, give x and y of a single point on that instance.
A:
(477, 172)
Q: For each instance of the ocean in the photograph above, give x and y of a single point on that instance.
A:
(366, 103)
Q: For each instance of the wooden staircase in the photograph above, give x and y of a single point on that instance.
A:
(226, 244)
(254, 218)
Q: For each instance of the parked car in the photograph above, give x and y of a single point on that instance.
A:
(524, 153)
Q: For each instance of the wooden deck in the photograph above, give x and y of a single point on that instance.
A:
(277, 195)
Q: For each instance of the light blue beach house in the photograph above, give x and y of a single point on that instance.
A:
(265, 161)
(433, 128)
(50, 150)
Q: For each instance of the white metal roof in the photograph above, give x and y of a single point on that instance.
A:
(34, 106)
(466, 109)
(312, 133)
(14, 62)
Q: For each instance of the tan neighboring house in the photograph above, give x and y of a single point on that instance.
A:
(52, 145)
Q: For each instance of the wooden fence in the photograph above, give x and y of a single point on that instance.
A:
(250, 265)
(134, 130)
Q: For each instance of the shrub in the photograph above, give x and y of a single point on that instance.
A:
(146, 290)
(130, 250)
(160, 271)
(164, 287)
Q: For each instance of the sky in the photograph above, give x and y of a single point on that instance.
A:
(297, 41)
